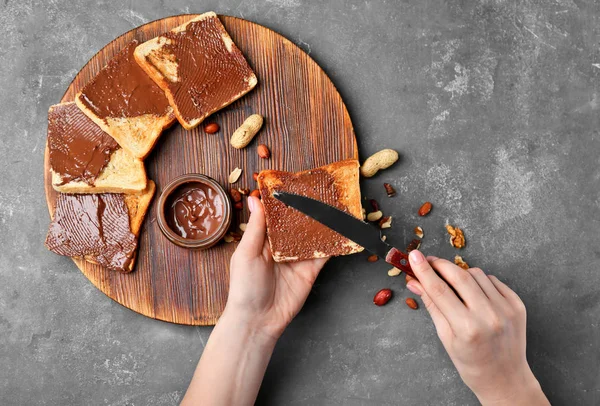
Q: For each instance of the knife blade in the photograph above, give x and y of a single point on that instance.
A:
(362, 233)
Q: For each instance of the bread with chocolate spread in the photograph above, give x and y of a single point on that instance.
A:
(293, 236)
(199, 68)
(126, 104)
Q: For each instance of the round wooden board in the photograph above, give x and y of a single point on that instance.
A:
(306, 125)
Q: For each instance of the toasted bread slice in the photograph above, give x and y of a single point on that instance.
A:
(199, 68)
(122, 174)
(102, 229)
(85, 159)
(137, 205)
(294, 236)
(124, 102)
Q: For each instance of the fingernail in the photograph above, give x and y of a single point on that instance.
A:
(416, 257)
(412, 286)
(251, 203)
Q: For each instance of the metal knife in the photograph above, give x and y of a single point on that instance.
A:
(362, 233)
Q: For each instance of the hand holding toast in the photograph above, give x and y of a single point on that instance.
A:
(262, 291)
(483, 330)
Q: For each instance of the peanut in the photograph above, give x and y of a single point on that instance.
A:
(380, 160)
(246, 132)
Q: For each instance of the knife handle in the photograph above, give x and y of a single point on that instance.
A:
(400, 260)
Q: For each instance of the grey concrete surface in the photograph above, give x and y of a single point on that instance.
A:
(494, 106)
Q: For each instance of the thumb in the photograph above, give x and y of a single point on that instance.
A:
(253, 239)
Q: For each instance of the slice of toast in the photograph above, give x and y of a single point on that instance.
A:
(293, 236)
(85, 159)
(198, 66)
(137, 206)
(124, 102)
(102, 228)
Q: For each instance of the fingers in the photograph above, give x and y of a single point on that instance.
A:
(440, 322)
(440, 293)
(253, 240)
(485, 284)
(462, 281)
(507, 292)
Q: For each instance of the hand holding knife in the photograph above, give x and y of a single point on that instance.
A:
(362, 233)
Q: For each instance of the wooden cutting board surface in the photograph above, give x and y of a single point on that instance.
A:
(306, 125)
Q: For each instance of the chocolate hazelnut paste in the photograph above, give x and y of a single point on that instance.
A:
(194, 211)
(123, 89)
(79, 149)
(95, 227)
(209, 75)
(294, 234)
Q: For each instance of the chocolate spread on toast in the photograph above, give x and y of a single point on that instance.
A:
(123, 89)
(79, 149)
(209, 75)
(95, 227)
(291, 232)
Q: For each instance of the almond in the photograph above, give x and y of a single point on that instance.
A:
(372, 258)
(263, 151)
(235, 195)
(235, 175)
(425, 209)
(412, 303)
(211, 128)
(374, 204)
(382, 297)
(238, 205)
(374, 216)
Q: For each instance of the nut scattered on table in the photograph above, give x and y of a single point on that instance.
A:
(394, 272)
(246, 132)
(389, 189)
(228, 238)
(255, 193)
(364, 212)
(378, 161)
(372, 258)
(382, 297)
(413, 245)
(238, 205)
(263, 151)
(419, 232)
(235, 175)
(243, 226)
(375, 216)
(211, 128)
(458, 260)
(374, 204)
(255, 176)
(425, 209)
(244, 190)
(457, 237)
(236, 196)
(412, 303)
(385, 222)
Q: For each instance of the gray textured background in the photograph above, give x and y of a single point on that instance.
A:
(494, 107)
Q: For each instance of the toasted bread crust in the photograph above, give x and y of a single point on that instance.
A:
(162, 67)
(345, 175)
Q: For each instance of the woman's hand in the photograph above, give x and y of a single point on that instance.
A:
(263, 292)
(483, 330)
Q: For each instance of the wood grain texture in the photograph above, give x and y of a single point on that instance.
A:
(306, 125)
